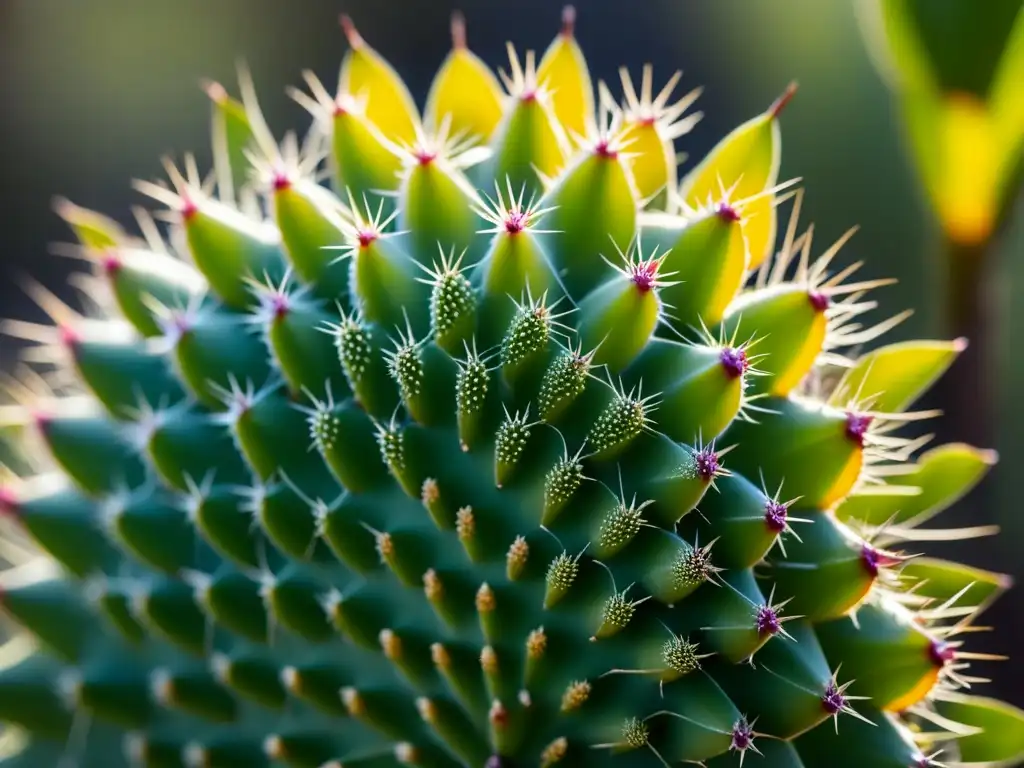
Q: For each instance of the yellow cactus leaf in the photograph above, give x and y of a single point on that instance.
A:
(94, 230)
(654, 160)
(787, 380)
(465, 90)
(744, 163)
(364, 71)
(917, 694)
(563, 71)
(651, 126)
(967, 193)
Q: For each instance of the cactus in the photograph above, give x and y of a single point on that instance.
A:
(504, 447)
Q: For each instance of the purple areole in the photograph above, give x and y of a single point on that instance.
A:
(188, 208)
(726, 212)
(645, 275)
(833, 701)
(870, 557)
(941, 653)
(603, 149)
(515, 222)
(281, 180)
(366, 236)
(734, 361)
(767, 621)
(742, 736)
(857, 427)
(819, 301)
(775, 514)
(706, 461)
(279, 305)
(874, 559)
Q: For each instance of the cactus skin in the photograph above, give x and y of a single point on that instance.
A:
(322, 496)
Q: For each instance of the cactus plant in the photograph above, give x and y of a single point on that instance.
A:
(503, 447)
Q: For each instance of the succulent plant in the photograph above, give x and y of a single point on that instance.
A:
(504, 446)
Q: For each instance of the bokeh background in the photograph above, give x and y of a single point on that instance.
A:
(94, 92)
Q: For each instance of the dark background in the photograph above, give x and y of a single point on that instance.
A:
(92, 93)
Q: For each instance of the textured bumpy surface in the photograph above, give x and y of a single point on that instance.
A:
(476, 437)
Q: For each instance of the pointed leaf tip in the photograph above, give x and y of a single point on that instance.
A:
(780, 103)
(218, 93)
(351, 33)
(569, 20)
(458, 30)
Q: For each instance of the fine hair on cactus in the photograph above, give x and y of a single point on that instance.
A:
(479, 433)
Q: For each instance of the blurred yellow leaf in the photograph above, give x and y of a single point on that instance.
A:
(970, 157)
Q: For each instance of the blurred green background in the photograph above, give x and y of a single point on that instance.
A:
(93, 92)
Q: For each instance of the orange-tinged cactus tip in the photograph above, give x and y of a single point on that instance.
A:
(569, 21)
(780, 103)
(458, 30)
(355, 40)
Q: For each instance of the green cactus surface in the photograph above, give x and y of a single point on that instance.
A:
(474, 435)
